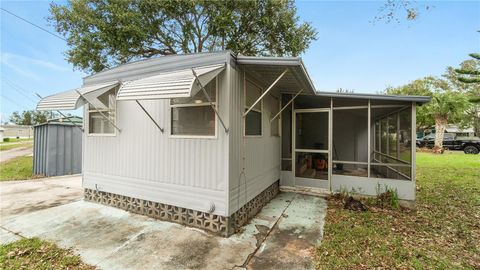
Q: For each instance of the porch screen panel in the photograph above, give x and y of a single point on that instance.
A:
(312, 131)
(392, 150)
(350, 142)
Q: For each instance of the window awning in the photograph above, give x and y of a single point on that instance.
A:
(72, 100)
(168, 85)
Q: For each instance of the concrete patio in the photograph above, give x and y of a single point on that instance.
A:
(282, 236)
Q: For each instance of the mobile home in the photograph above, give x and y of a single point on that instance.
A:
(207, 139)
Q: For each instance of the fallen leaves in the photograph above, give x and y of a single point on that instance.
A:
(442, 232)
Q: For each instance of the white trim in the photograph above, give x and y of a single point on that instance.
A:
(350, 108)
(311, 151)
(312, 181)
(350, 162)
(192, 105)
(369, 136)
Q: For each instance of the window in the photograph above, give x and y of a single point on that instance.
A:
(253, 120)
(97, 123)
(193, 116)
(274, 109)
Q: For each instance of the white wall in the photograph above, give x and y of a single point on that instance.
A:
(254, 161)
(141, 162)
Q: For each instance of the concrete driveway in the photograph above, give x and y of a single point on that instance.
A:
(282, 236)
(15, 152)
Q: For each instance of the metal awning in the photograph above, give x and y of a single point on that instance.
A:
(168, 85)
(73, 99)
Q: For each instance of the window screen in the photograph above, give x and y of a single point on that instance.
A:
(253, 120)
(104, 104)
(194, 116)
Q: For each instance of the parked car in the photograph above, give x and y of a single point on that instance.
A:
(469, 145)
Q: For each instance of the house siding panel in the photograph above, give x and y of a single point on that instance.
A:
(141, 156)
(260, 155)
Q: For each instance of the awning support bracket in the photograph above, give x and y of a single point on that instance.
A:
(209, 99)
(64, 116)
(266, 91)
(286, 105)
(149, 116)
(100, 112)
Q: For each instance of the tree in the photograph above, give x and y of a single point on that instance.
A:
(419, 87)
(447, 105)
(393, 10)
(101, 34)
(28, 118)
(472, 73)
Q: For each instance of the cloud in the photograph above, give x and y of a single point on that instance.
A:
(7, 61)
(21, 64)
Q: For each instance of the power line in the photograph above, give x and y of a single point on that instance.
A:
(29, 22)
(14, 102)
(21, 91)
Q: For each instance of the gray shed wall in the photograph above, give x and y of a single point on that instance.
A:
(57, 150)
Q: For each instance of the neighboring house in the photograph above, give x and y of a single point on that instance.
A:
(2, 130)
(17, 131)
(207, 139)
(454, 129)
(466, 132)
(57, 147)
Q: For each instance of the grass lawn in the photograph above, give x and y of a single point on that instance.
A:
(443, 232)
(17, 169)
(33, 253)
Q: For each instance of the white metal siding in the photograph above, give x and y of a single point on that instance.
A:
(262, 154)
(142, 162)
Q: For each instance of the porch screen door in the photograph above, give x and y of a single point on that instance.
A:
(311, 145)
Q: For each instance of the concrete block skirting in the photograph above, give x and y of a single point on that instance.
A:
(219, 225)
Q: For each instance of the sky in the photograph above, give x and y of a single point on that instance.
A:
(351, 51)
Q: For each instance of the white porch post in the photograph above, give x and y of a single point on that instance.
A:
(330, 144)
(414, 147)
(369, 135)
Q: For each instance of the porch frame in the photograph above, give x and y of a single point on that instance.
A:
(370, 135)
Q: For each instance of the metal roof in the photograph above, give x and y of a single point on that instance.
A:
(154, 66)
(174, 84)
(267, 69)
(263, 69)
(71, 100)
(418, 99)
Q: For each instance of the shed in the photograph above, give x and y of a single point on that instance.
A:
(207, 139)
(57, 147)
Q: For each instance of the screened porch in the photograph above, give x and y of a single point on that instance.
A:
(347, 141)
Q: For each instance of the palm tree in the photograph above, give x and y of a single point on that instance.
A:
(445, 106)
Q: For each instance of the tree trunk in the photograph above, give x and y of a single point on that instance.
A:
(440, 126)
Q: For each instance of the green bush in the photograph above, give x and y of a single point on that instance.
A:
(6, 139)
